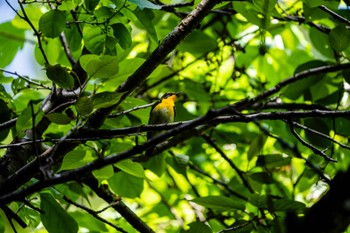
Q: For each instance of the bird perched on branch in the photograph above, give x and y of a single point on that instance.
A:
(163, 111)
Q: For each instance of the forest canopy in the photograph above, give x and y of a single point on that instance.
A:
(260, 138)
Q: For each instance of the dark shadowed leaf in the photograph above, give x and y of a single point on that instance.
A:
(122, 34)
(256, 146)
(339, 38)
(60, 76)
(59, 118)
(321, 126)
(54, 217)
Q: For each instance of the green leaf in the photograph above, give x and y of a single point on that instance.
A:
(156, 164)
(5, 115)
(145, 4)
(342, 126)
(126, 185)
(58, 118)
(91, 4)
(321, 126)
(248, 11)
(179, 163)
(100, 67)
(54, 218)
(198, 43)
(339, 38)
(73, 159)
(131, 102)
(122, 34)
(60, 76)
(273, 160)
(52, 23)
(84, 105)
(296, 89)
(11, 46)
(131, 168)
(287, 205)
(103, 173)
(196, 227)
(89, 222)
(220, 203)
(105, 99)
(25, 121)
(256, 146)
(262, 177)
(260, 201)
(145, 17)
(321, 42)
(94, 38)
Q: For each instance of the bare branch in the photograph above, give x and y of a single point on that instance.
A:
(309, 145)
(94, 214)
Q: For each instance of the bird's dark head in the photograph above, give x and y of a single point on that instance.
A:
(172, 95)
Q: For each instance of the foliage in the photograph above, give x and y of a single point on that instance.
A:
(264, 115)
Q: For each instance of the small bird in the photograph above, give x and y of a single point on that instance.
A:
(163, 111)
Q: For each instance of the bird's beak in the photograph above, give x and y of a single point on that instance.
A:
(178, 93)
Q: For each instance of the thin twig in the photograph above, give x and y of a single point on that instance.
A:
(335, 15)
(227, 159)
(25, 78)
(216, 181)
(320, 134)
(114, 115)
(36, 33)
(8, 124)
(310, 146)
(94, 214)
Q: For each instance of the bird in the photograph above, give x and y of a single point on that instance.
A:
(162, 112)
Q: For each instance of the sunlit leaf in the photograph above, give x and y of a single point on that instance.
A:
(103, 173)
(73, 159)
(100, 67)
(131, 168)
(52, 23)
(126, 185)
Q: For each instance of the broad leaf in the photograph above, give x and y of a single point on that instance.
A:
(122, 34)
(131, 168)
(105, 99)
(58, 118)
(84, 105)
(126, 185)
(100, 67)
(256, 146)
(52, 23)
(103, 173)
(73, 159)
(60, 76)
(339, 38)
(54, 218)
